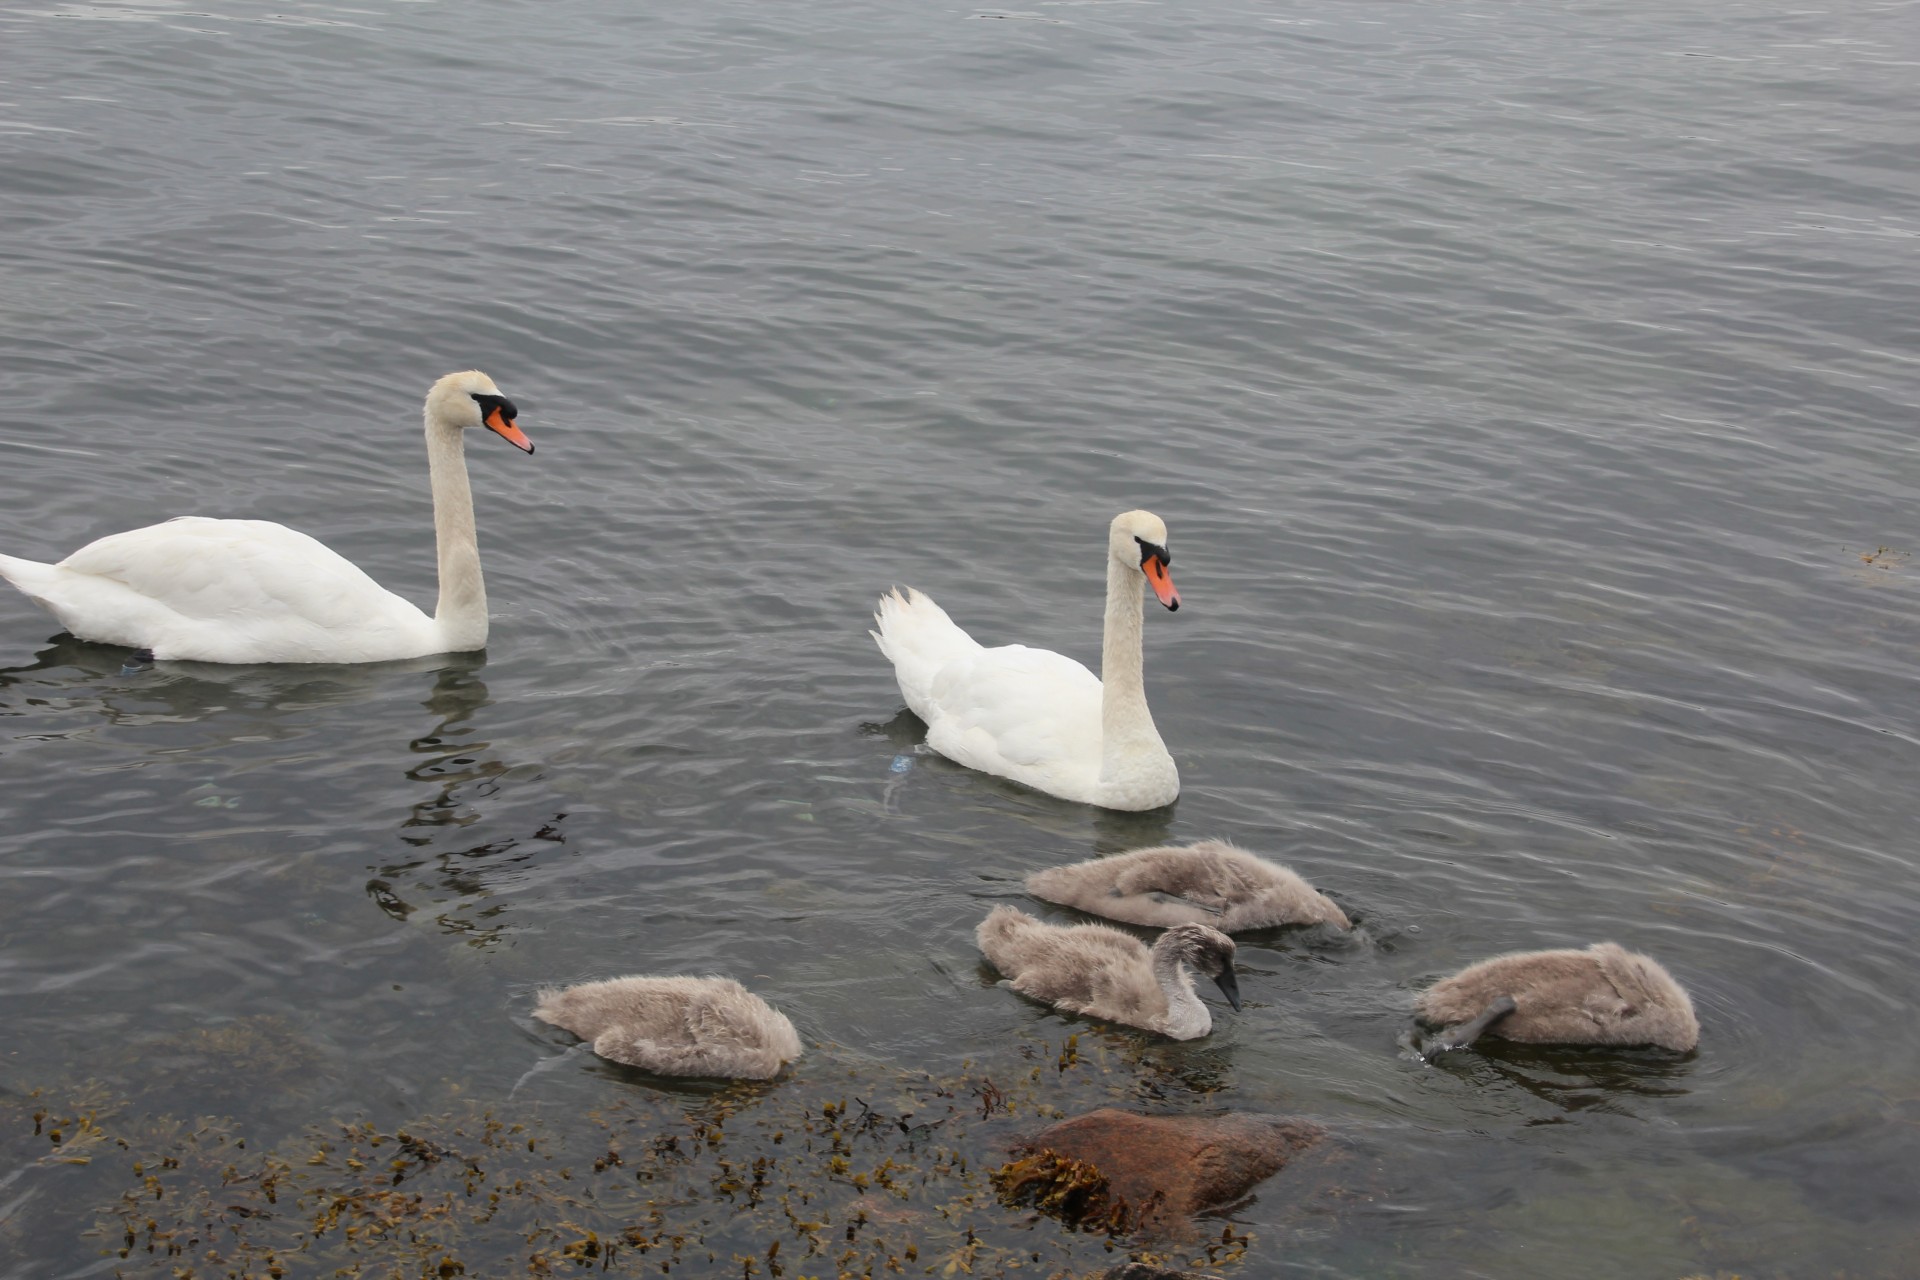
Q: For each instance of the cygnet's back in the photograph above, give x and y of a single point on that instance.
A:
(1603, 995)
(1210, 882)
(680, 1026)
(1102, 972)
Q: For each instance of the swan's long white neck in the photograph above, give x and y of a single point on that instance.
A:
(1187, 1017)
(461, 614)
(1126, 726)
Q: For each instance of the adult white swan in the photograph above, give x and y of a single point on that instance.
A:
(254, 591)
(1037, 716)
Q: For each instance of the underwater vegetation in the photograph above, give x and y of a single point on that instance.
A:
(849, 1171)
(843, 1168)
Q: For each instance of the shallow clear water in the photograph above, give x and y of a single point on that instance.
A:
(1529, 393)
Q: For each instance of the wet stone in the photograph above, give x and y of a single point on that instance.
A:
(1121, 1171)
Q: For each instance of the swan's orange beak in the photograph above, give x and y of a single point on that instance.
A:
(500, 425)
(1156, 570)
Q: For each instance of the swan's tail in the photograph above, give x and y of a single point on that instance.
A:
(36, 581)
(919, 639)
(23, 573)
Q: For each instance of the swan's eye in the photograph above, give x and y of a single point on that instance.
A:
(489, 403)
(1149, 550)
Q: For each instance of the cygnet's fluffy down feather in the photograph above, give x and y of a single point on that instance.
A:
(1104, 973)
(1603, 995)
(676, 1026)
(1210, 882)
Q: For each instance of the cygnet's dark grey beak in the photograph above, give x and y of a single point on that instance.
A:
(1229, 987)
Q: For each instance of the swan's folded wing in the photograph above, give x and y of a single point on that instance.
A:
(1012, 710)
(225, 570)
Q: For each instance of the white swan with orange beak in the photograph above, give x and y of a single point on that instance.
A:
(208, 590)
(1036, 716)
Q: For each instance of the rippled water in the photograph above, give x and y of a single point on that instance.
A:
(1529, 392)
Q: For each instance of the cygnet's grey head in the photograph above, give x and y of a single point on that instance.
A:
(1206, 950)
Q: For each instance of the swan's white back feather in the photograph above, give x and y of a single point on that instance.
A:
(225, 591)
(1032, 715)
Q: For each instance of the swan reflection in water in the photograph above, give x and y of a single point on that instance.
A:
(306, 730)
(241, 702)
(457, 884)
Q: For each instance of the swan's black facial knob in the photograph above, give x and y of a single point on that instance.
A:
(1154, 560)
(498, 413)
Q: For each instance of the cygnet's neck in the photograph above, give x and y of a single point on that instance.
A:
(1187, 1017)
(461, 614)
(1126, 726)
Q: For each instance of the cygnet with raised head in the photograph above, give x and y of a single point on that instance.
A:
(1104, 973)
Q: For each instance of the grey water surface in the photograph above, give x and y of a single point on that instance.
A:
(1529, 391)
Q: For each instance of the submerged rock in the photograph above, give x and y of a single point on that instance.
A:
(1120, 1171)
